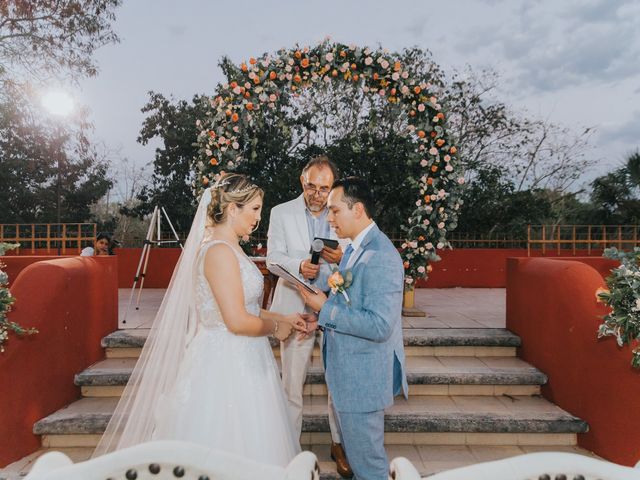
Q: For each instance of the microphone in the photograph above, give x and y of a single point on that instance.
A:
(316, 248)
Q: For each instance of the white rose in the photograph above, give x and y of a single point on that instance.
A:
(405, 75)
(429, 246)
(404, 89)
(421, 107)
(447, 158)
(440, 226)
(423, 163)
(395, 76)
(440, 246)
(368, 61)
(384, 64)
(418, 203)
(208, 152)
(421, 269)
(273, 97)
(329, 57)
(433, 151)
(235, 145)
(237, 90)
(448, 168)
(461, 180)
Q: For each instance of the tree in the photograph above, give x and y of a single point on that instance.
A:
(30, 147)
(174, 124)
(42, 39)
(616, 195)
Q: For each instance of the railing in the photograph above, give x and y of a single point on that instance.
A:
(49, 236)
(584, 237)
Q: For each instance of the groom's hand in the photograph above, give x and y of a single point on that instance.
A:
(311, 320)
(314, 300)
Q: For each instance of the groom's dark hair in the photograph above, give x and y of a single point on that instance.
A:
(356, 189)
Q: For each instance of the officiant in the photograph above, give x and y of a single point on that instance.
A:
(293, 226)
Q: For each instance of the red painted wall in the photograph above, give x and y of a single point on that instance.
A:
(551, 305)
(461, 267)
(73, 302)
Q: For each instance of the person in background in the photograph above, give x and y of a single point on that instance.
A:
(101, 246)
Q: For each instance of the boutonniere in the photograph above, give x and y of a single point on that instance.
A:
(339, 284)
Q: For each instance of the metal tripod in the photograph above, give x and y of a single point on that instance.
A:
(154, 230)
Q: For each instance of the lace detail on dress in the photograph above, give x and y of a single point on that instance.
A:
(252, 284)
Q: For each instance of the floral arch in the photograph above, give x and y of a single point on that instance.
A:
(263, 81)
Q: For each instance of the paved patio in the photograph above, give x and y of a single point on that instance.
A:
(445, 308)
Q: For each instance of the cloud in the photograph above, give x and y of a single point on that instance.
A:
(625, 133)
(547, 46)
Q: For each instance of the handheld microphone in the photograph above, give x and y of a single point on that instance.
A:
(316, 248)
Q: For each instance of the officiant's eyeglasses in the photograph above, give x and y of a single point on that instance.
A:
(311, 188)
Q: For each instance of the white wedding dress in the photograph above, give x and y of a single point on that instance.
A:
(228, 394)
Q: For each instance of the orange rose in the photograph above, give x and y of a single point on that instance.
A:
(297, 79)
(235, 117)
(421, 238)
(343, 53)
(412, 113)
(249, 106)
(228, 113)
(272, 75)
(440, 142)
(212, 134)
(393, 91)
(353, 66)
(233, 84)
(429, 181)
(434, 168)
(375, 76)
(256, 80)
(453, 150)
(433, 134)
(213, 161)
(440, 115)
(416, 90)
(421, 133)
(252, 61)
(243, 67)
(406, 265)
(247, 94)
(205, 181)
(427, 199)
(396, 66)
(304, 63)
(334, 73)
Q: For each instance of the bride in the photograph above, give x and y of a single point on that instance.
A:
(207, 373)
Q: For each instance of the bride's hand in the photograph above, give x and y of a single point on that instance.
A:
(284, 331)
(296, 321)
(288, 323)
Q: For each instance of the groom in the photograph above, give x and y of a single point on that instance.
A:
(363, 349)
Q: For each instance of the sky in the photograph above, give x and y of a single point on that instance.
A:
(575, 63)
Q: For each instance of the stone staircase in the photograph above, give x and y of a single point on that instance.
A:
(471, 399)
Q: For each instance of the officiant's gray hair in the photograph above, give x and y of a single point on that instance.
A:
(321, 161)
(232, 188)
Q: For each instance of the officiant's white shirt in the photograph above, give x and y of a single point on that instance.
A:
(356, 244)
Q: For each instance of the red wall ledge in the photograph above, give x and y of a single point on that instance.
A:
(73, 302)
(551, 305)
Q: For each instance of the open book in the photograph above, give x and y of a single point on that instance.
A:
(288, 276)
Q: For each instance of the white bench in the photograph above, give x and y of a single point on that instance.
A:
(532, 466)
(165, 460)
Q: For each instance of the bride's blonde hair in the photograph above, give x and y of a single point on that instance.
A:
(233, 188)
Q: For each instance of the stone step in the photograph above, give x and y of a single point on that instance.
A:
(426, 376)
(428, 459)
(504, 420)
(474, 342)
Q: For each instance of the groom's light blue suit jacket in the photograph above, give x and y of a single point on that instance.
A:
(363, 347)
